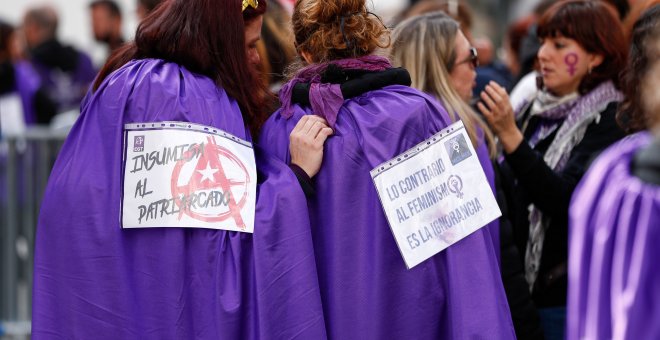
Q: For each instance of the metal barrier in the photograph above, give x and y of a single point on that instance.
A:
(25, 164)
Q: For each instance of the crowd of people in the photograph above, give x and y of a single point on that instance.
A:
(564, 127)
(48, 76)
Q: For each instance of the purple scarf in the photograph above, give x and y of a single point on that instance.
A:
(553, 110)
(326, 99)
(571, 120)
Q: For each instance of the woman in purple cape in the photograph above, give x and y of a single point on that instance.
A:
(449, 77)
(95, 280)
(614, 282)
(367, 292)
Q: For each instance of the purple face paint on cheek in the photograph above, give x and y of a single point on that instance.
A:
(571, 61)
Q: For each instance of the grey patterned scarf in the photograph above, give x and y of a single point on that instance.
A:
(572, 125)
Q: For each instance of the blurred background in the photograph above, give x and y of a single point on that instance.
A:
(75, 23)
(50, 52)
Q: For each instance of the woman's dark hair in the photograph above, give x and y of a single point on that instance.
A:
(250, 13)
(204, 36)
(643, 52)
(595, 25)
(150, 5)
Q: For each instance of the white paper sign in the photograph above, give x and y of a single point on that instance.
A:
(12, 122)
(435, 194)
(178, 174)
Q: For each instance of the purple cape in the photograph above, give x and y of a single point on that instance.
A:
(94, 280)
(614, 281)
(366, 289)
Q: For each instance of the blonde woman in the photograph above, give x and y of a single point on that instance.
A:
(442, 63)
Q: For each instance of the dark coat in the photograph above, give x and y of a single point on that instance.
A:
(530, 180)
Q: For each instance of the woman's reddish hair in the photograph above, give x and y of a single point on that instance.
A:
(595, 25)
(206, 37)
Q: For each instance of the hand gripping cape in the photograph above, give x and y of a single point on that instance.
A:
(614, 282)
(367, 292)
(94, 280)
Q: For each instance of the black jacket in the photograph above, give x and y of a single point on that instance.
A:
(530, 180)
(526, 320)
(352, 84)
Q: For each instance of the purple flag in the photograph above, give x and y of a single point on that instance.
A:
(366, 289)
(614, 281)
(94, 280)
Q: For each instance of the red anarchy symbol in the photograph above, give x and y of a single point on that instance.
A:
(210, 174)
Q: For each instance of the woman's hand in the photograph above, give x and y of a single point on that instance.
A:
(306, 143)
(496, 107)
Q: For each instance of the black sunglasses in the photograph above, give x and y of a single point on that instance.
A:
(473, 58)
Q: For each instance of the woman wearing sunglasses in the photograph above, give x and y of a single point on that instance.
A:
(562, 128)
(442, 63)
(448, 75)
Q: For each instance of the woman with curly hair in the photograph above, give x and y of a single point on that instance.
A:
(366, 290)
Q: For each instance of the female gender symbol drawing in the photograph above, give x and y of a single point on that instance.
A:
(571, 60)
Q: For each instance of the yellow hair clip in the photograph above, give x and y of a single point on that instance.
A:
(253, 3)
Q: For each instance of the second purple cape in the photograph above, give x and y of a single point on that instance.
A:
(366, 289)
